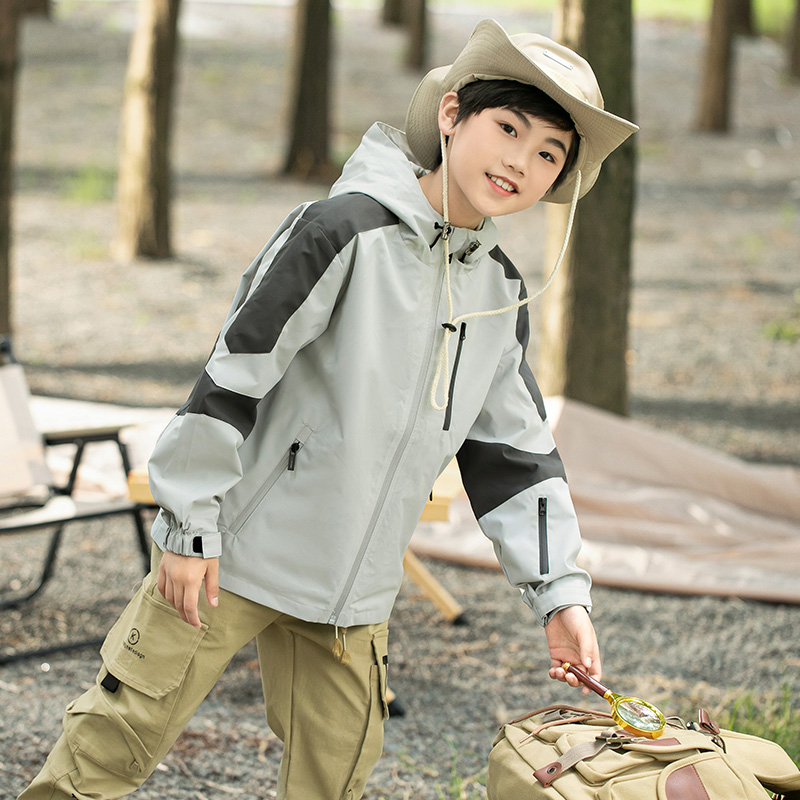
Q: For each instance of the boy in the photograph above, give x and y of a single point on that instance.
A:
(294, 475)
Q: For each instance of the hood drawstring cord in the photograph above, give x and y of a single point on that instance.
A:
(339, 648)
(451, 326)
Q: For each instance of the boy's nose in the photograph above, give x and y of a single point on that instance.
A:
(514, 163)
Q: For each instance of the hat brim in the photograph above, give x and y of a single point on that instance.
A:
(491, 55)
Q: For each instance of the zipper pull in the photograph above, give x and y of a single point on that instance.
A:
(470, 250)
(293, 455)
(542, 506)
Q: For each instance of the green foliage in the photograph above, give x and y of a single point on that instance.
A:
(770, 717)
(787, 329)
(470, 787)
(772, 16)
(783, 330)
(91, 184)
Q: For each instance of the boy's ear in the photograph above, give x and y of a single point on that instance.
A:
(448, 109)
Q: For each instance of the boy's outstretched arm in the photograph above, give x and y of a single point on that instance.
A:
(179, 580)
(571, 637)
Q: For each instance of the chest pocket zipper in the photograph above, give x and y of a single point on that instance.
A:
(287, 464)
(448, 415)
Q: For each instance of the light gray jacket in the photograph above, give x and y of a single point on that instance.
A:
(308, 447)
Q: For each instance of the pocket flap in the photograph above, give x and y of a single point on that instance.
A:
(150, 646)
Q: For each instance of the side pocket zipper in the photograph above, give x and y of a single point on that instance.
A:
(287, 463)
(293, 455)
(544, 552)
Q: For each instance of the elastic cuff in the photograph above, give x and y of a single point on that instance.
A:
(549, 616)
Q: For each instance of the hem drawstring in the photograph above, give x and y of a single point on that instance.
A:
(339, 648)
(442, 374)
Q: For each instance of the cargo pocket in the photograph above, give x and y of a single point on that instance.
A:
(120, 722)
(372, 744)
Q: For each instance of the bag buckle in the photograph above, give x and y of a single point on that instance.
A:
(615, 740)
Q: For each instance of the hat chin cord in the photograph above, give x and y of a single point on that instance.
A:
(442, 374)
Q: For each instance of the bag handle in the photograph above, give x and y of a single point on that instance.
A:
(563, 711)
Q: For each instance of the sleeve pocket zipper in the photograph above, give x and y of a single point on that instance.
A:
(544, 551)
(287, 464)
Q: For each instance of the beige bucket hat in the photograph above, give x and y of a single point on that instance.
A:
(491, 54)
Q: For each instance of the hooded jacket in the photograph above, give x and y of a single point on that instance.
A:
(308, 447)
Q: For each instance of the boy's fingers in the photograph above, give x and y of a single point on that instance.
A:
(188, 610)
(212, 582)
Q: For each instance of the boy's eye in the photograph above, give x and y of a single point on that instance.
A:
(509, 129)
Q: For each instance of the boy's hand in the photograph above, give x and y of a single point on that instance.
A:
(571, 637)
(179, 579)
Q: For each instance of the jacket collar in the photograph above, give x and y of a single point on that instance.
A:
(384, 168)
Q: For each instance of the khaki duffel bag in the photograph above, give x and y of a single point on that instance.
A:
(560, 752)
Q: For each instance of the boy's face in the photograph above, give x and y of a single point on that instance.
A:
(500, 161)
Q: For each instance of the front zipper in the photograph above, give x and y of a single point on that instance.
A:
(287, 463)
(544, 552)
(422, 380)
(449, 413)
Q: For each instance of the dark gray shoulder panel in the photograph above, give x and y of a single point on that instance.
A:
(323, 231)
(523, 330)
(493, 473)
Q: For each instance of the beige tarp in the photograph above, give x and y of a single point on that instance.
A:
(658, 513)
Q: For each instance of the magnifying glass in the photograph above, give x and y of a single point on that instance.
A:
(630, 713)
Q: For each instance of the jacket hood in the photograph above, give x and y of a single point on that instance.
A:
(384, 168)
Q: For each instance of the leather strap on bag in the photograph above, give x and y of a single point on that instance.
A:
(546, 775)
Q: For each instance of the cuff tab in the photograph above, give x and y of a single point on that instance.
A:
(207, 545)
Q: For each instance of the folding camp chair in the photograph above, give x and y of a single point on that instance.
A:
(31, 501)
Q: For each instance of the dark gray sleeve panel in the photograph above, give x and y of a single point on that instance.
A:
(236, 409)
(493, 472)
(317, 238)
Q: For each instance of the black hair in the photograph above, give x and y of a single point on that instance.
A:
(479, 95)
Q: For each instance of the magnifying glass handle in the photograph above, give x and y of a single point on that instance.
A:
(594, 685)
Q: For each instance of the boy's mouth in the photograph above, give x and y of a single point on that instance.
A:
(510, 188)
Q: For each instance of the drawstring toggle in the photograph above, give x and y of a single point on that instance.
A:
(339, 648)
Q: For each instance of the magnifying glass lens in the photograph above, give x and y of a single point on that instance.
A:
(639, 715)
(633, 714)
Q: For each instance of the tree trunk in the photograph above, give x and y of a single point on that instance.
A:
(793, 46)
(35, 7)
(715, 96)
(392, 12)
(308, 155)
(145, 188)
(417, 54)
(585, 311)
(743, 18)
(9, 30)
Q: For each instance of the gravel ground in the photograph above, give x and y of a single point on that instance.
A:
(717, 237)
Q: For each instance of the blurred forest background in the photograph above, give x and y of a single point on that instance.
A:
(172, 93)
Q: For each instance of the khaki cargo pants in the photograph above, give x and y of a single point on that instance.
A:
(157, 670)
